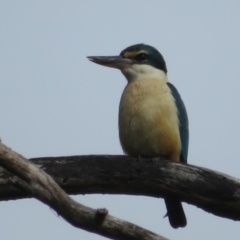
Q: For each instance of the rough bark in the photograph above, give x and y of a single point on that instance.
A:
(40, 185)
(212, 191)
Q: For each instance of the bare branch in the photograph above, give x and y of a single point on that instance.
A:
(43, 187)
(212, 191)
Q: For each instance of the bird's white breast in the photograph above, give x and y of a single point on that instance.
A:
(148, 119)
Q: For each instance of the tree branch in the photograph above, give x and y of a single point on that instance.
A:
(212, 191)
(41, 186)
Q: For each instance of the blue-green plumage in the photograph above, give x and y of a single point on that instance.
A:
(156, 59)
(183, 122)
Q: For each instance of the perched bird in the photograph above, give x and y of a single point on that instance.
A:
(153, 120)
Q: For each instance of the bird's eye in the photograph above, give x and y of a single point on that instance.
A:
(141, 57)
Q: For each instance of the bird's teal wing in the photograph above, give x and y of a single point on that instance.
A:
(183, 122)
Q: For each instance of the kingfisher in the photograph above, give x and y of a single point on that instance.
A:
(152, 120)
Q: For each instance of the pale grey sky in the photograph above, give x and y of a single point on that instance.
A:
(54, 102)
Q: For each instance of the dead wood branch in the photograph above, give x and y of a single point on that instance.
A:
(42, 186)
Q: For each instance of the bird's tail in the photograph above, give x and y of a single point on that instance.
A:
(175, 213)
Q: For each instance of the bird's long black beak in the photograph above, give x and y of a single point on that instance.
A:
(112, 61)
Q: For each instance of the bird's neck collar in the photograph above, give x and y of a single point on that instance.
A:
(140, 71)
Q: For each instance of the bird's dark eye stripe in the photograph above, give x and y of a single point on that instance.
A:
(141, 57)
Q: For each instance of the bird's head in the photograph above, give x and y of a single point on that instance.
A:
(136, 61)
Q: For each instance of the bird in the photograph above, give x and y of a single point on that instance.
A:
(152, 120)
